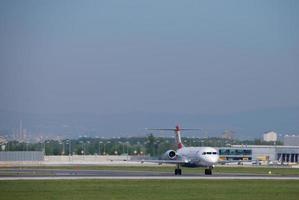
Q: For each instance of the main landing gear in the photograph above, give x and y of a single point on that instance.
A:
(177, 170)
(208, 171)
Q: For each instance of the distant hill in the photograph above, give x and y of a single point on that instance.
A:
(245, 124)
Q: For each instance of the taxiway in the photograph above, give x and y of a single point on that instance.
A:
(72, 174)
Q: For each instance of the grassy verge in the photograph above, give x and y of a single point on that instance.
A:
(250, 170)
(149, 189)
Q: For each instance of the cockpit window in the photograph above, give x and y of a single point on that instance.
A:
(204, 153)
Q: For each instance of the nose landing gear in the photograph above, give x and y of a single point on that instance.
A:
(209, 170)
(177, 170)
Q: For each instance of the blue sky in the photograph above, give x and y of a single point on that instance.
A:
(206, 57)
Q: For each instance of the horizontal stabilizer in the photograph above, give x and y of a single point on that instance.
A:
(172, 129)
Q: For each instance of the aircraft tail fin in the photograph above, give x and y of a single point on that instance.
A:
(177, 130)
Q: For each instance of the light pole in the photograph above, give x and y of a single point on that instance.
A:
(154, 148)
(87, 147)
(70, 147)
(45, 143)
(138, 146)
(115, 147)
(123, 147)
(67, 142)
(121, 143)
(127, 143)
(108, 142)
(100, 142)
(82, 146)
(157, 147)
(41, 145)
(26, 146)
(44, 149)
(63, 147)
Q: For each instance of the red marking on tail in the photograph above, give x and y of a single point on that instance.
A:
(178, 137)
(177, 128)
(180, 145)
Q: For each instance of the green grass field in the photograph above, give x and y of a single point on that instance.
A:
(149, 189)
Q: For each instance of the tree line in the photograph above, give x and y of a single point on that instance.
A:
(149, 145)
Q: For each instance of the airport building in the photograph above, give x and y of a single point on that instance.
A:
(281, 154)
(291, 140)
(270, 136)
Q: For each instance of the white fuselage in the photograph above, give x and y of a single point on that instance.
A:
(198, 156)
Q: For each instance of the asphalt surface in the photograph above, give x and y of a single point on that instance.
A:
(61, 174)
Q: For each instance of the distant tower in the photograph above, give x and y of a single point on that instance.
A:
(20, 129)
(21, 132)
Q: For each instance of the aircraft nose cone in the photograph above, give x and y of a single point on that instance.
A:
(212, 159)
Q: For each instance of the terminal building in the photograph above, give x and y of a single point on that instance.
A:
(267, 153)
(291, 140)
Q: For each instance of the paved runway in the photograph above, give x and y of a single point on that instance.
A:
(57, 174)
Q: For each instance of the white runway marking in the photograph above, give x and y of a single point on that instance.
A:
(154, 178)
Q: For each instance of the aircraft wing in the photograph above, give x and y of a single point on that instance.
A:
(166, 161)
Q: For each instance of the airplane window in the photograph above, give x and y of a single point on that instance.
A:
(209, 152)
(204, 153)
(214, 152)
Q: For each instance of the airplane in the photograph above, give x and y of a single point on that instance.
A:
(188, 156)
